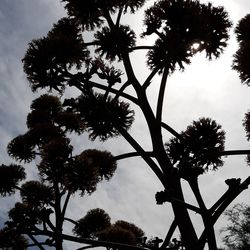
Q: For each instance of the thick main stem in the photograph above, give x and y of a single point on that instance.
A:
(206, 215)
(171, 180)
(59, 219)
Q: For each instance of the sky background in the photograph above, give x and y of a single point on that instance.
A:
(204, 89)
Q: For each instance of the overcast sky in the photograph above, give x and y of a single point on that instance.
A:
(206, 88)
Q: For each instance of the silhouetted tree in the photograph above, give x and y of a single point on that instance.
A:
(44, 203)
(64, 59)
(237, 231)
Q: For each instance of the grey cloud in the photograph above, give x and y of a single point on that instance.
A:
(130, 194)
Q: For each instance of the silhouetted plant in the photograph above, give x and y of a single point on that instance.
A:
(61, 173)
(9, 237)
(10, 177)
(240, 62)
(237, 231)
(104, 109)
(93, 222)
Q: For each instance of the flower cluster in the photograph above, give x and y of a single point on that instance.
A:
(199, 148)
(180, 24)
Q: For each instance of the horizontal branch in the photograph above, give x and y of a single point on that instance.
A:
(70, 220)
(141, 48)
(187, 205)
(234, 152)
(131, 154)
(93, 242)
(115, 91)
(91, 43)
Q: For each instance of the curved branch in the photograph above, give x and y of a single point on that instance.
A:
(171, 130)
(161, 94)
(112, 90)
(150, 77)
(120, 91)
(80, 77)
(70, 220)
(66, 202)
(131, 154)
(141, 152)
(93, 242)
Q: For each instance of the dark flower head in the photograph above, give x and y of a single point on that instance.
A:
(104, 71)
(130, 227)
(56, 154)
(11, 239)
(21, 148)
(24, 217)
(168, 53)
(43, 110)
(93, 222)
(122, 37)
(36, 117)
(57, 149)
(153, 20)
(51, 171)
(70, 121)
(117, 234)
(43, 133)
(241, 62)
(133, 5)
(102, 160)
(246, 124)
(87, 169)
(181, 24)
(36, 194)
(47, 58)
(46, 102)
(242, 29)
(81, 177)
(91, 14)
(102, 115)
(10, 177)
(199, 148)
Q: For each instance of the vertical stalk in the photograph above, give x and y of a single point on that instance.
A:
(66, 202)
(182, 218)
(206, 215)
(58, 217)
(171, 180)
(161, 95)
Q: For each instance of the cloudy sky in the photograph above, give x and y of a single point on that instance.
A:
(206, 88)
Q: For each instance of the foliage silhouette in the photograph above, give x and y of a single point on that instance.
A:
(104, 109)
(238, 229)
